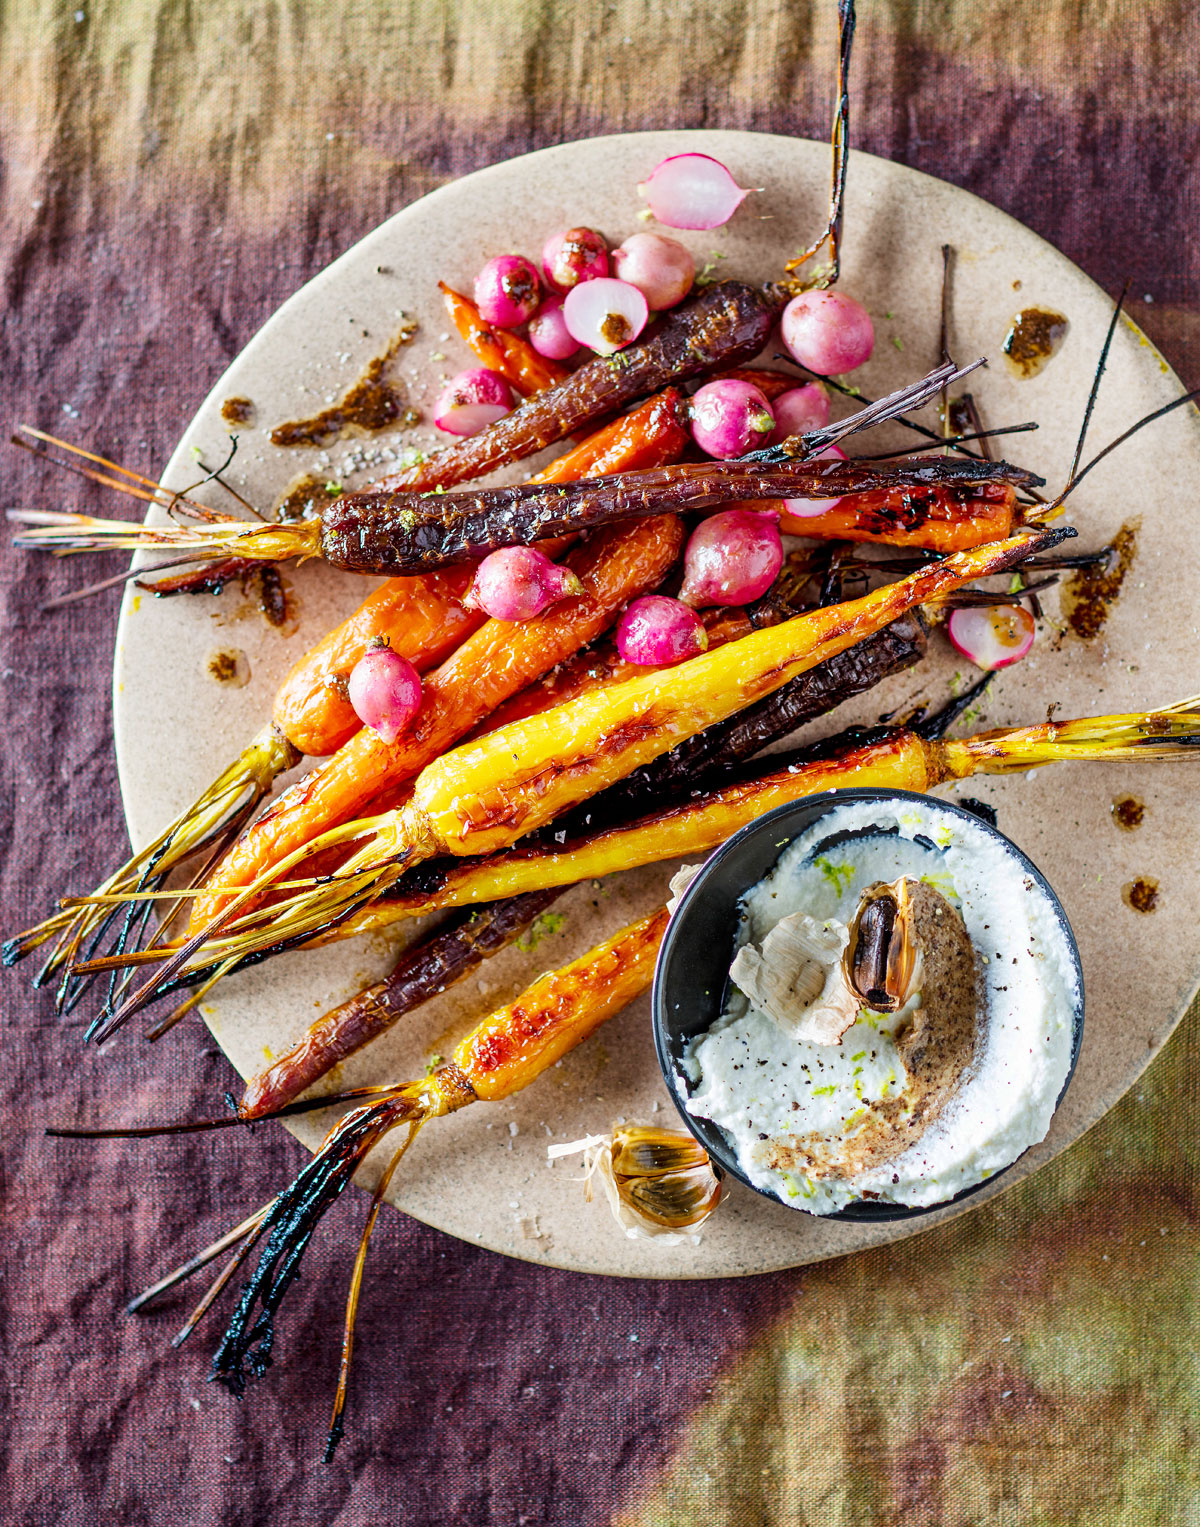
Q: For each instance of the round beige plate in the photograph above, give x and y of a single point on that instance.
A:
(483, 1174)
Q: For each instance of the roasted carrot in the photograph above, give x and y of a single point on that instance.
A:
(476, 931)
(485, 795)
(405, 532)
(886, 758)
(500, 349)
(937, 518)
(497, 661)
(422, 618)
(727, 323)
(425, 614)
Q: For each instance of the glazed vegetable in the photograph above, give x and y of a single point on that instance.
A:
(886, 758)
(499, 660)
(548, 332)
(471, 401)
(423, 619)
(799, 411)
(662, 269)
(454, 950)
(579, 254)
(507, 291)
(657, 632)
(519, 582)
(730, 417)
(992, 638)
(732, 557)
(827, 332)
(385, 691)
(522, 365)
(384, 531)
(487, 794)
(940, 517)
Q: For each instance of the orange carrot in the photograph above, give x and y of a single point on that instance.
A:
(512, 356)
(501, 658)
(943, 517)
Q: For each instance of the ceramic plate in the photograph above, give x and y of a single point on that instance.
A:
(482, 1174)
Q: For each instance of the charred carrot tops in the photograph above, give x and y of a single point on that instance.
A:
(496, 662)
(422, 618)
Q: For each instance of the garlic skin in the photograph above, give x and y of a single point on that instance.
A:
(797, 978)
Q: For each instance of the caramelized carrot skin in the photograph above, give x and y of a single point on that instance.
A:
(512, 356)
(937, 518)
(423, 619)
(517, 1043)
(500, 659)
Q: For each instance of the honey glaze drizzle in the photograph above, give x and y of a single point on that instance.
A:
(370, 405)
(1141, 894)
(1128, 812)
(1089, 594)
(1036, 336)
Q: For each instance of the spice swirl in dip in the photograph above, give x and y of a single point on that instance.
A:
(900, 1017)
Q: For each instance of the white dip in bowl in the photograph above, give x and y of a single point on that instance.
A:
(823, 1125)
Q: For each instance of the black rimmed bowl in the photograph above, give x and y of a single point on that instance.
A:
(691, 979)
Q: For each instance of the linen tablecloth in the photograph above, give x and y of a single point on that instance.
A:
(169, 174)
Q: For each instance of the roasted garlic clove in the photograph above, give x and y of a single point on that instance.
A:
(676, 1200)
(643, 1150)
(882, 959)
(796, 978)
(658, 1182)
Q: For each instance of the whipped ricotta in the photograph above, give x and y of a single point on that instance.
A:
(822, 1125)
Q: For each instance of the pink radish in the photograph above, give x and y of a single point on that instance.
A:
(661, 268)
(732, 557)
(507, 291)
(656, 631)
(605, 314)
(730, 417)
(992, 636)
(385, 691)
(472, 400)
(519, 582)
(548, 332)
(809, 508)
(827, 332)
(799, 411)
(692, 191)
(579, 254)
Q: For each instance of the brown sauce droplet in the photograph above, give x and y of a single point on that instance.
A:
(229, 665)
(1141, 894)
(305, 499)
(1089, 594)
(273, 597)
(371, 404)
(237, 411)
(1128, 812)
(1035, 337)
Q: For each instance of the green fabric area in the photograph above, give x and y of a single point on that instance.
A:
(1032, 1363)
